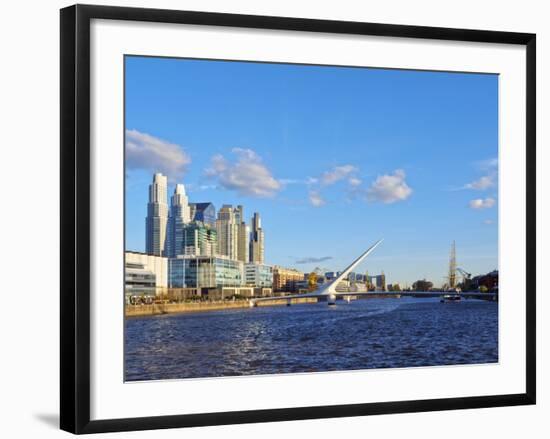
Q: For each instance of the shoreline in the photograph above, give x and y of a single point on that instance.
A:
(191, 307)
(133, 311)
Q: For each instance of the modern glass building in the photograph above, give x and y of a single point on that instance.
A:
(258, 275)
(204, 272)
(203, 212)
(178, 218)
(199, 239)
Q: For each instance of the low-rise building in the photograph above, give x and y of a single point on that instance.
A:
(286, 279)
(138, 281)
(489, 281)
(258, 275)
(158, 265)
(214, 277)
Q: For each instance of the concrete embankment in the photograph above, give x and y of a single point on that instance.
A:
(173, 308)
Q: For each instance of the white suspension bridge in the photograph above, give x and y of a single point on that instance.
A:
(328, 291)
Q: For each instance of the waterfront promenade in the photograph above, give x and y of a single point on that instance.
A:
(218, 305)
(185, 307)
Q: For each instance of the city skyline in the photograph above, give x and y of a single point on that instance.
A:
(308, 195)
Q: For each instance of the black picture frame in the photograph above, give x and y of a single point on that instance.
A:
(75, 217)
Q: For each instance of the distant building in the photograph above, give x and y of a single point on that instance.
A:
(489, 281)
(243, 235)
(258, 275)
(199, 239)
(203, 212)
(228, 232)
(179, 216)
(157, 216)
(204, 272)
(377, 282)
(257, 240)
(243, 242)
(286, 279)
(356, 277)
(351, 283)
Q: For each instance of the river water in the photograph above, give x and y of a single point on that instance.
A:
(363, 334)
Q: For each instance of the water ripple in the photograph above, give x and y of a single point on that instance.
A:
(365, 334)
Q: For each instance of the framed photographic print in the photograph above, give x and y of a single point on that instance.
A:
(268, 218)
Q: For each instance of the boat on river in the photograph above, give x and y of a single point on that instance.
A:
(448, 298)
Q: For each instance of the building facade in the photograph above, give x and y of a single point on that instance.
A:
(157, 216)
(286, 279)
(203, 212)
(243, 240)
(157, 265)
(138, 281)
(377, 282)
(228, 232)
(179, 216)
(205, 272)
(233, 233)
(258, 275)
(256, 240)
(199, 239)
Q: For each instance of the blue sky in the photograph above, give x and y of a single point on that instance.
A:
(333, 158)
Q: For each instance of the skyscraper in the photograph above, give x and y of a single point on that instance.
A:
(228, 232)
(157, 216)
(233, 233)
(243, 242)
(179, 216)
(203, 212)
(243, 233)
(256, 240)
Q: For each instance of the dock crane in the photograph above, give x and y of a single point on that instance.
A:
(466, 277)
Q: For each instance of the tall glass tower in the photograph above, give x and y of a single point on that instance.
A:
(157, 216)
(179, 216)
(203, 212)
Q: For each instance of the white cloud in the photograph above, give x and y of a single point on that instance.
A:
(316, 199)
(313, 260)
(247, 175)
(336, 174)
(389, 188)
(480, 203)
(482, 183)
(312, 180)
(489, 164)
(354, 181)
(488, 222)
(144, 151)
